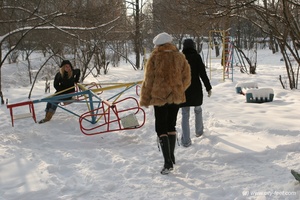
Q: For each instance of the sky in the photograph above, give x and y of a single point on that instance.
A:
(247, 150)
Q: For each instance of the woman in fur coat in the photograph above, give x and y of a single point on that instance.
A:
(167, 76)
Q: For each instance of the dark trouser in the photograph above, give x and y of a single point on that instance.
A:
(165, 124)
(165, 118)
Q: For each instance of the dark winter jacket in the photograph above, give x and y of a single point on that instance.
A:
(194, 94)
(63, 82)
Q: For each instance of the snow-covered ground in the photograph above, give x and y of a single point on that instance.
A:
(246, 152)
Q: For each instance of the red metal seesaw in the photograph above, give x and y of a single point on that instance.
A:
(113, 117)
(102, 116)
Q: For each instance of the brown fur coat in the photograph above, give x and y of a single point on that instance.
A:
(167, 76)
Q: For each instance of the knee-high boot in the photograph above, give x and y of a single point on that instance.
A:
(165, 147)
(172, 141)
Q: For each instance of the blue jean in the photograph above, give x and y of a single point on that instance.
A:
(51, 107)
(185, 123)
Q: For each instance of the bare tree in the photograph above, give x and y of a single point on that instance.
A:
(137, 21)
(280, 21)
(18, 22)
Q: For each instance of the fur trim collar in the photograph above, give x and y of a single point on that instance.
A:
(168, 47)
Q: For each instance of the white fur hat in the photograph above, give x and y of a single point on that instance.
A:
(162, 38)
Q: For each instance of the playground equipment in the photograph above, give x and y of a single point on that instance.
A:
(259, 95)
(103, 115)
(23, 115)
(231, 55)
(227, 52)
(254, 94)
(241, 88)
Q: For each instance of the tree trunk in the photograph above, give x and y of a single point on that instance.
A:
(1, 94)
(137, 37)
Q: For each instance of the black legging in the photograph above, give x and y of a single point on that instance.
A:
(165, 118)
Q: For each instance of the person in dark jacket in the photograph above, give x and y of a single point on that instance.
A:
(194, 94)
(64, 83)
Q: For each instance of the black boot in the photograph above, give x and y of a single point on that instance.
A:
(172, 141)
(165, 147)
